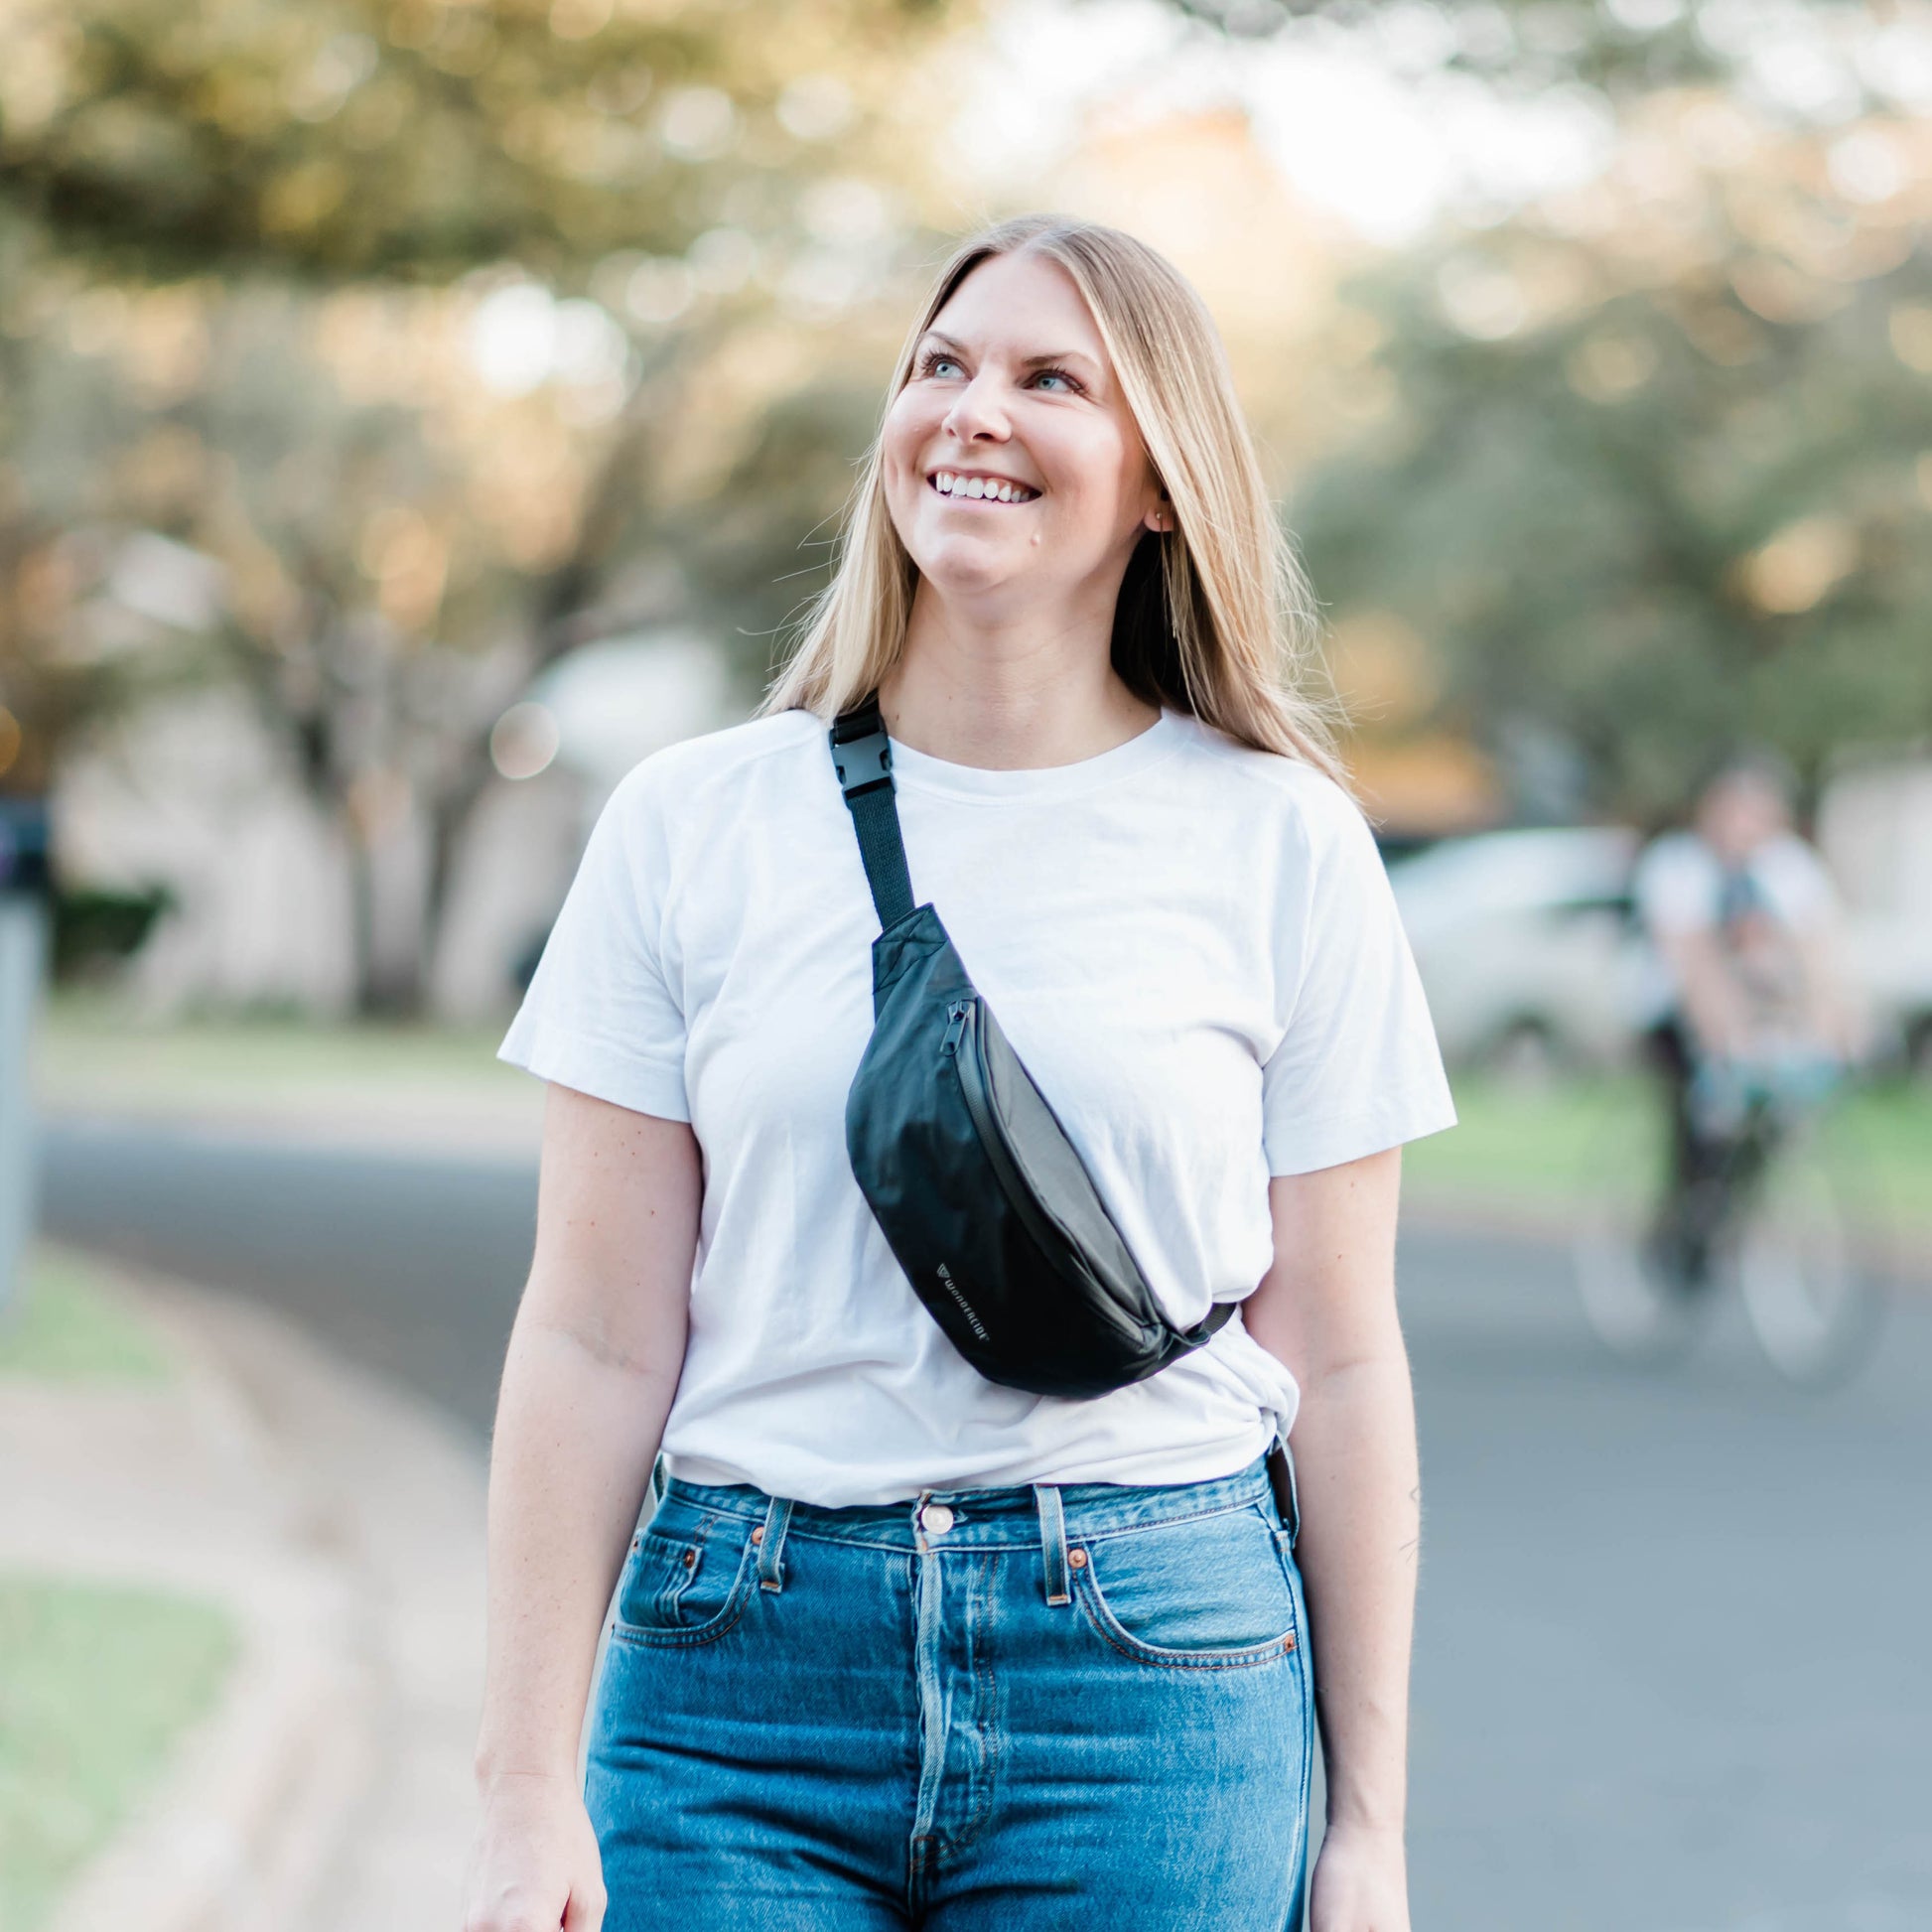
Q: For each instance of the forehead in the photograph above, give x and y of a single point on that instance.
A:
(1744, 784)
(1746, 793)
(1011, 301)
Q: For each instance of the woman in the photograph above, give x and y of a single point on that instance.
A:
(901, 1646)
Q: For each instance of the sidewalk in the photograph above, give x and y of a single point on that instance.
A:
(342, 1524)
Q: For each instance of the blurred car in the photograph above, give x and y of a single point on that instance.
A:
(1891, 960)
(1527, 945)
(1874, 828)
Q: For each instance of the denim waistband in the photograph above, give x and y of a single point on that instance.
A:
(988, 1519)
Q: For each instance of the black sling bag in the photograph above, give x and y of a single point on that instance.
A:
(978, 1191)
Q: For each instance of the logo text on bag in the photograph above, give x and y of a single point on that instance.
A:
(965, 1307)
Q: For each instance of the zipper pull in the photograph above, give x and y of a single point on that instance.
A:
(955, 1026)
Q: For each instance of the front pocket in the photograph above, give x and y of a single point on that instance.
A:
(686, 1585)
(1208, 1593)
(976, 1089)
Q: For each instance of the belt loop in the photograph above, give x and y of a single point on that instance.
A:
(1281, 1479)
(1053, 1541)
(770, 1539)
(653, 1499)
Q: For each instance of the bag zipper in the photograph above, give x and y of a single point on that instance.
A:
(977, 1086)
(955, 1026)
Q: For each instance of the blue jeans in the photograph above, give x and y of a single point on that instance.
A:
(1008, 1709)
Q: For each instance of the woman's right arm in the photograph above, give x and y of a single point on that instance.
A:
(588, 1379)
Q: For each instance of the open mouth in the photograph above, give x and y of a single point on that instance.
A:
(960, 487)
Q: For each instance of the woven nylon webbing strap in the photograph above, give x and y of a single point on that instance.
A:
(863, 756)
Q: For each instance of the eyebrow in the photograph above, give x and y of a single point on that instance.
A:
(1026, 362)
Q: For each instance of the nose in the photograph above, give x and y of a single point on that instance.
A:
(976, 413)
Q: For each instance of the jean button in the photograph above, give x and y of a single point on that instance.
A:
(936, 1519)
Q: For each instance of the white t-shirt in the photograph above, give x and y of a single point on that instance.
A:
(1679, 888)
(1190, 944)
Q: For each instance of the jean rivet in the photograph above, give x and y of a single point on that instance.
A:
(1287, 1643)
(758, 1535)
(1077, 1559)
(690, 1558)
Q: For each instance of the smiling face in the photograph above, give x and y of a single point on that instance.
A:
(1010, 458)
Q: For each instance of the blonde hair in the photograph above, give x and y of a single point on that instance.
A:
(1214, 618)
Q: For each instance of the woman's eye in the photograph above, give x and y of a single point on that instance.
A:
(937, 362)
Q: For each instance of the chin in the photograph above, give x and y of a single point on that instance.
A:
(971, 563)
(952, 574)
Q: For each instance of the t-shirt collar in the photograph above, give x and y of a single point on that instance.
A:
(922, 772)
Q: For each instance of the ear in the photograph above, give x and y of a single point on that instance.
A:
(1160, 517)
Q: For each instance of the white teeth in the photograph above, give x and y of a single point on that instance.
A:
(947, 483)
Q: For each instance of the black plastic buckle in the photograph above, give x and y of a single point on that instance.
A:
(862, 762)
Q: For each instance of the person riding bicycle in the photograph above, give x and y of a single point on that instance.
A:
(1747, 995)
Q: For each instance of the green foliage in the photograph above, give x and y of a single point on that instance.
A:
(402, 138)
(97, 1684)
(760, 544)
(97, 926)
(1655, 521)
(388, 555)
(1627, 48)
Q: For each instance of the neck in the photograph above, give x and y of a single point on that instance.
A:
(1007, 694)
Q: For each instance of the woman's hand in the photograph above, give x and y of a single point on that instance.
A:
(535, 1867)
(593, 1361)
(1361, 1884)
(1327, 1309)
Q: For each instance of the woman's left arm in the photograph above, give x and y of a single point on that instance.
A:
(1326, 1308)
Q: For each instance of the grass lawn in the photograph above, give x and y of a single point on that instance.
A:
(1546, 1152)
(1531, 1153)
(96, 1687)
(88, 1050)
(65, 1323)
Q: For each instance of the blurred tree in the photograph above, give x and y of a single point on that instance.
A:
(297, 496)
(201, 501)
(1627, 48)
(1655, 467)
(412, 139)
(608, 194)
(538, 243)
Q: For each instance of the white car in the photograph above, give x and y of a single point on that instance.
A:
(1891, 960)
(1526, 944)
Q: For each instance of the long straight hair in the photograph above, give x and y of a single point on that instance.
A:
(1214, 618)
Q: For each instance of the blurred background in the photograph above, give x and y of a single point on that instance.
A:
(414, 412)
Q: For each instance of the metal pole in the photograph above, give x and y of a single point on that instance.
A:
(22, 955)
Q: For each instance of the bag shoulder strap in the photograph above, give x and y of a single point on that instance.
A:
(861, 755)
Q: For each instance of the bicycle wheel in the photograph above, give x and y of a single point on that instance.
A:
(1812, 1306)
(1641, 1309)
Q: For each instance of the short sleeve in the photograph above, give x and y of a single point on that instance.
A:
(1799, 885)
(601, 1014)
(1676, 885)
(1357, 1069)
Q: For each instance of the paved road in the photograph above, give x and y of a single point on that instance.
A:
(407, 1264)
(1673, 1670)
